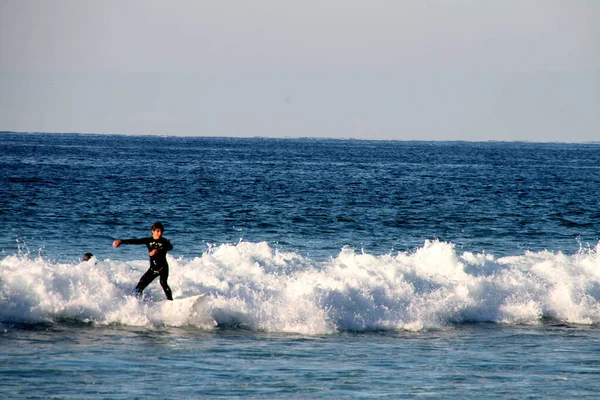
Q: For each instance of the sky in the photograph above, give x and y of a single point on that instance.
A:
(474, 70)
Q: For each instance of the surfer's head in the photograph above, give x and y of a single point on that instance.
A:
(157, 230)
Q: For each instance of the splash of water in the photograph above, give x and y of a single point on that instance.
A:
(253, 286)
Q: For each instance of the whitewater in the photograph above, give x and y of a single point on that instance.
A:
(253, 286)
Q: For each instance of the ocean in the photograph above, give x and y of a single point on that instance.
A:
(339, 269)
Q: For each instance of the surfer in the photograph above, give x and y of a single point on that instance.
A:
(87, 256)
(157, 247)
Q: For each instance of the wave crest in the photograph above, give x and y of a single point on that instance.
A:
(254, 286)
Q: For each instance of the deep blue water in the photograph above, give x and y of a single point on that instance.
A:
(333, 268)
(70, 193)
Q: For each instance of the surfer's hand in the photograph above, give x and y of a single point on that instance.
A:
(117, 243)
(153, 252)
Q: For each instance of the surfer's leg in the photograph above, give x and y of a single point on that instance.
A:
(146, 279)
(164, 275)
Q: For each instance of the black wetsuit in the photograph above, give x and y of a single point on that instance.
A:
(158, 263)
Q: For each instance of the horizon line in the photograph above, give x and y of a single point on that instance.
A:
(295, 137)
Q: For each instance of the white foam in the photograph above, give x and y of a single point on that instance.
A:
(256, 287)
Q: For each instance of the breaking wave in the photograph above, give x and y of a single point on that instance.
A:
(256, 287)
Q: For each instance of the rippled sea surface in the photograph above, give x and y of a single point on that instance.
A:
(471, 362)
(331, 268)
(311, 196)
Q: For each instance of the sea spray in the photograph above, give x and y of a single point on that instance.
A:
(257, 287)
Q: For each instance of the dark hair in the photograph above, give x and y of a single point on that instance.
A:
(158, 225)
(87, 256)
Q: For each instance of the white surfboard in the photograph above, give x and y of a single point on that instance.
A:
(183, 310)
(189, 299)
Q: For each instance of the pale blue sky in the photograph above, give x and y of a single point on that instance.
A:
(379, 69)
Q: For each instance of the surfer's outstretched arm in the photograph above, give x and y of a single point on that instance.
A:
(119, 242)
